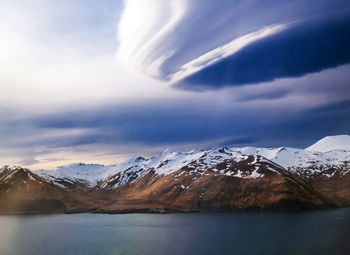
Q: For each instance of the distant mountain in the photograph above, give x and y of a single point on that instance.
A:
(329, 143)
(201, 180)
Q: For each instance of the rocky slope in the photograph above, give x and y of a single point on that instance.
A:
(202, 180)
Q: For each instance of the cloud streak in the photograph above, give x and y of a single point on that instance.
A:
(224, 51)
(202, 42)
(304, 48)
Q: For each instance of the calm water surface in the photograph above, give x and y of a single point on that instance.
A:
(315, 232)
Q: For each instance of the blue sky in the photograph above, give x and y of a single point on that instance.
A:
(99, 81)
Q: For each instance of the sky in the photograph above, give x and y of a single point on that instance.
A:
(99, 81)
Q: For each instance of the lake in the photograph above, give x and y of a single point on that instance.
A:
(311, 232)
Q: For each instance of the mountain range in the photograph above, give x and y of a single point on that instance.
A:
(220, 179)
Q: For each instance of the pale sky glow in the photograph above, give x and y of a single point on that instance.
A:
(56, 69)
(101, 80)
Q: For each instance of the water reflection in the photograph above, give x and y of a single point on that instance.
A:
(314, 232)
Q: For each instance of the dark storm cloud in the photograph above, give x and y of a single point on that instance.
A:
(334, 119)
(309, 126)
(304, 48)
(168, 125)
(147, 124)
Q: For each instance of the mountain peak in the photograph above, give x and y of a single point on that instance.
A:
(329, 143)
(135, 159)
(11, 168)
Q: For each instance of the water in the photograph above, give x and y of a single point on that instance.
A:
(314, 232)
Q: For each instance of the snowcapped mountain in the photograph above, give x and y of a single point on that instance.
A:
(166, 163)
(303, 162)
(221, 178)
(329, 143)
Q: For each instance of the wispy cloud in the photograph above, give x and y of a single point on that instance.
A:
(145, 26)
(224, 51)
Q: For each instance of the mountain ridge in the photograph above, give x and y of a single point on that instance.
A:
(200, 180)
(290, 158)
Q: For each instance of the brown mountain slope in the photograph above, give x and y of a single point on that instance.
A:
(261, 185)
(335, 188)
(249, 183)
(22, 191)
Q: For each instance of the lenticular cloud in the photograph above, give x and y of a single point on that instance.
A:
(144, 28)
(174, 39)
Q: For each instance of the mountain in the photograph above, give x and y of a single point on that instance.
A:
(23, 191)
(329, 143)
(200, 180)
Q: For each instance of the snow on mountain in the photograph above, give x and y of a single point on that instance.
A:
(219, 178)
(87, 173)
(292, 158)
(7, 168)
(74, 172)
(17, 176)
(303, 162)
(171, 160)
(167, 162)
(328, 143)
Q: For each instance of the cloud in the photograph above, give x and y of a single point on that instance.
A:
(149, 127)
(65, 99)
(232, 43)
(29, 161)
(149, 22)
(214, 56)
(58, 55)
(292, 112)
(304, 48)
